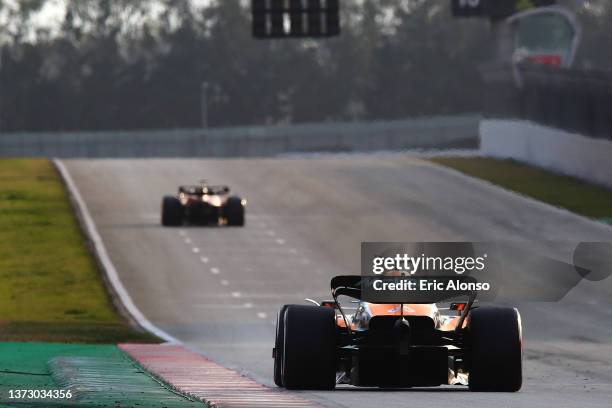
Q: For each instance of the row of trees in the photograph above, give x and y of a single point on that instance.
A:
(124, 64)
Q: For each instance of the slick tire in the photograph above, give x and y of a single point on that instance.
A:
(234, 212)
(309, 348)
(278, 347)
(494, 337)
(172, 212)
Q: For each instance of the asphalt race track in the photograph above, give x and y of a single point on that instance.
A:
(218, 289)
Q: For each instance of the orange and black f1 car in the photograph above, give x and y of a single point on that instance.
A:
(397, 345)
(203, 205)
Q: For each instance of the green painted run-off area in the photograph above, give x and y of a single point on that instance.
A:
(97, 376)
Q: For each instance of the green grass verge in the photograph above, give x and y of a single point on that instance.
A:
(50, 289)
(566, 192)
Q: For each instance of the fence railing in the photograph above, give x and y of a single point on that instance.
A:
(577, 101)
(425, 133)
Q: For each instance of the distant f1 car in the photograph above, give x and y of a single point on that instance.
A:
(203, 205)
(396, 345)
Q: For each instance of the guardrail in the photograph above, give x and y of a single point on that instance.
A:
(559, 120)
(419, 133)
(576, 101)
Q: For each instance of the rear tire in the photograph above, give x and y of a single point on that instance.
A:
(234, 212)
(309, 348)
(278, 347)
(172, 212)
(495, 349)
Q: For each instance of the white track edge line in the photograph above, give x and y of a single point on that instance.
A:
(108, 267)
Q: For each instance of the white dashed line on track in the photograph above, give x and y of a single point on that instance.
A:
(216, 271)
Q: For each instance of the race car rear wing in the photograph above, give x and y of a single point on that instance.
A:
(346, 285)
(351, 285)
(361, 288)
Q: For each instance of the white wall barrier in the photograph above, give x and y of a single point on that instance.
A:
(425, 133)
(554, 149)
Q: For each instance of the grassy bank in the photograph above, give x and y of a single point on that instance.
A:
(561, 191)
(50, 289)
